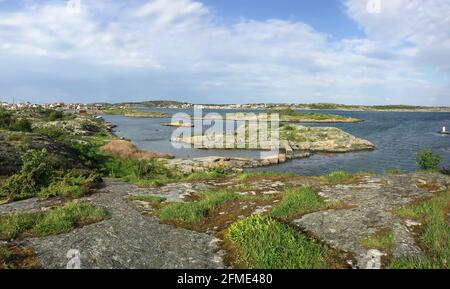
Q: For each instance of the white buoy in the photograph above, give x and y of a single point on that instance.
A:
(443, 129)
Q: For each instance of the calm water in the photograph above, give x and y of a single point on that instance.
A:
(397, 137)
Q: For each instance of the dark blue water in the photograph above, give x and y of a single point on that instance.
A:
(397, 137)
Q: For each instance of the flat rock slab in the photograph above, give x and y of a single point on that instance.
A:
(369, 210)
(127, 240)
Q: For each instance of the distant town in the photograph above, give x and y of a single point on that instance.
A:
(249, 106)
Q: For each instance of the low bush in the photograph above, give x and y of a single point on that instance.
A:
(72, 184)
(428, 160)
(39, 177)
(35, 173)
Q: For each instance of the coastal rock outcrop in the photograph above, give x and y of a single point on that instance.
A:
(296, 142)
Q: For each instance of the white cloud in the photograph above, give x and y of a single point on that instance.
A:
(116, 50)
(409, 28)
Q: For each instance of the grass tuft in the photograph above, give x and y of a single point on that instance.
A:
(382, 240)
(50, 222)
(195, 211)
(435, 236)
(258, 174)
(147, 198)
(338, 176)
(297, 202)
(263, 243)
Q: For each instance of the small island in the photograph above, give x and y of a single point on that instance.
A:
(295, 142)
(284, 115)
(135, 113)
(290, 115)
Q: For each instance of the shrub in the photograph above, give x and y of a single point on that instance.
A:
(150, 169)
(21, 124)
(55, 115)
(35, 173)
(72, 184)
(428, 160)
(5, 118)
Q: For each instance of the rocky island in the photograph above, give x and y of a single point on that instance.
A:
(296, 141)
(286, 115)
(135, 113)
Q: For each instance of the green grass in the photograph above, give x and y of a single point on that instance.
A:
(296, 202)
(393, 172)
(147, 198)
(50, 222)
(208, 175)
(263, 243)
(382, 240)
(268, 174)
(338, 176)
(194, 212)
(435, 234)
(414, 263)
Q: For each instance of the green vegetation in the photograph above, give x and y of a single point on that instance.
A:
(296, 202)
(338, 176)
(40, 177)
(74, 183)
(5, 258)
(35, 174)
(55, 115)
(428, 160)
(154, 200)
(382, 240)
(435, 234)
(291, 115)
(141, 172)
(263, 174)
(263, 243)
(135, 113)
(194, 212)
(9, 121)
(50, 222)
(393, 172)
(295, 133)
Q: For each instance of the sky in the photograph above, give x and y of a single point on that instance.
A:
(226, 51)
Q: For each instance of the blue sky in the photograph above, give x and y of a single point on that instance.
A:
(327, 16)
(226, 51)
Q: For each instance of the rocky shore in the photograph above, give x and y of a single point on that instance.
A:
(133, 238)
